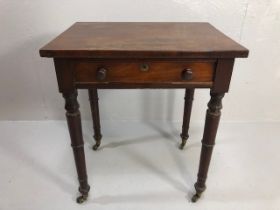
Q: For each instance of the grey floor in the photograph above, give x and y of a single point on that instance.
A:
(139, 166)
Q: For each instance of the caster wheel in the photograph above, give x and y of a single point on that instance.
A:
(81, 199)
(182, 145)
(95, 147)
(195, 198)
(184, 141)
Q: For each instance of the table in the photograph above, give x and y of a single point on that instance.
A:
(94, 55)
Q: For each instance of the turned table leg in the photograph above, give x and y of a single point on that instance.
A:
(187, 115)
(208, 141)
(93, 98)
(77, 143)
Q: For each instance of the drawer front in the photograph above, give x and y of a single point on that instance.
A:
(144, 72)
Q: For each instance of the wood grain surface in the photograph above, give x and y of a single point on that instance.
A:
(143, 40)
(132, 72)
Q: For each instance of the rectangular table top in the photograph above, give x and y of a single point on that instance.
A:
(143, 40)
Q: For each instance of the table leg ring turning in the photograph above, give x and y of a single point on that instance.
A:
(75, 129)
(110, 61)
(208, 141)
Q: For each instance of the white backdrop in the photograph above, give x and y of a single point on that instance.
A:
(28, 88)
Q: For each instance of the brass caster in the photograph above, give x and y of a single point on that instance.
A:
(81, 198)
(182, 145)
(95, 147)
(97, 141)
(195, 197)
(184, 141)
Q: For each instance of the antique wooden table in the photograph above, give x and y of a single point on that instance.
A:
(143, 55)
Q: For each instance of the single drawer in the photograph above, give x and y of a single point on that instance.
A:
(144, 72)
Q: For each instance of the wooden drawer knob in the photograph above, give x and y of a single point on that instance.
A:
(187, 74)
(101, 74)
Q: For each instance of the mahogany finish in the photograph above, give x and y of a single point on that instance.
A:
(143, 40)
(155, 72)
(77, 142)
(93, 98)
(213, 115)
(143, 55)
(187, 116)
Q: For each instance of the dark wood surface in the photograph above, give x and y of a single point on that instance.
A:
(143, 40)
(134, 72)
(73, 117)
(213, 115)
(94, 106)
(189, 93)
(143, 55)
